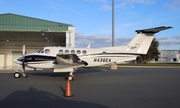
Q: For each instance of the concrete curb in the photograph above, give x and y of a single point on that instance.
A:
(148, 67)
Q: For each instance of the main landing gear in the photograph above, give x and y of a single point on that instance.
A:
(69, 76)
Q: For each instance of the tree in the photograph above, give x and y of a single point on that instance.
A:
(152, 53)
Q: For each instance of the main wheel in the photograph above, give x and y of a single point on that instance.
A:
(17, 75)
(70, 78)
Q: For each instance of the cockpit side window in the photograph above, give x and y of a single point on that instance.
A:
(29, 59)
(41, 50)
(36, 58)
(47, 51)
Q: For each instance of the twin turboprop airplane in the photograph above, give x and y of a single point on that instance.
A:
(64, 59)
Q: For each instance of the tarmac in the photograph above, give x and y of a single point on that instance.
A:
(93, 88)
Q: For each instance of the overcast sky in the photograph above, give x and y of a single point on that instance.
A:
(92, 18)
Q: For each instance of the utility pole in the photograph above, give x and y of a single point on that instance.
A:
(113, 66)
(113, 41)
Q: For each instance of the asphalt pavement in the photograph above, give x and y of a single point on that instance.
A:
(93, 88)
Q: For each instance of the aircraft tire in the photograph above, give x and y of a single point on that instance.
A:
(70, 77)
(17, 75)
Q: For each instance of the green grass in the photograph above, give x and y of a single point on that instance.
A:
(152, 64)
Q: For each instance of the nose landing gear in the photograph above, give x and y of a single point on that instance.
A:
(69, 76)
(17, 75)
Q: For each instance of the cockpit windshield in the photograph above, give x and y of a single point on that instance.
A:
(41, 50)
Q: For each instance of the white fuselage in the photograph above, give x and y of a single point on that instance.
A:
(93, 56)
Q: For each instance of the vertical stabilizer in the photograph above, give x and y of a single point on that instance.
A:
(142, 41)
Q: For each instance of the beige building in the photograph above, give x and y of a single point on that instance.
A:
(168, 56)
(16, 30)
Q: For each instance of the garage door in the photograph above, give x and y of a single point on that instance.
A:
(2, 61)
(15, 55)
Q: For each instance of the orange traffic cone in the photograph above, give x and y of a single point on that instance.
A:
(68, 89)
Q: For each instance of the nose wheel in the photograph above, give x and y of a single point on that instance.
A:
(69, 76)
(17, 75)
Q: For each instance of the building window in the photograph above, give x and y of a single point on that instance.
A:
(78, 52)
(72, 52)
(84, 51)
(66, 51)
(174, 59)
(156, 59)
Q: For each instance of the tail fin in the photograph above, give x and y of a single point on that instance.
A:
(141, 42)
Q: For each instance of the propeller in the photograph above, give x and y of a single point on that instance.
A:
(23, 60)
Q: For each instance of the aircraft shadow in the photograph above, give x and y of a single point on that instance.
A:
(33, 98)
(90, 70)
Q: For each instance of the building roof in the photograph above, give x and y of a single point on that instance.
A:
(14, 22)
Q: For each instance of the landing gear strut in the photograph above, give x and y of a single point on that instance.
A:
(69, 76)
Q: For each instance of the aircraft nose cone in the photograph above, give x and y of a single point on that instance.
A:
(16, 61)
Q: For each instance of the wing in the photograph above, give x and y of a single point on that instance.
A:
(69, 60)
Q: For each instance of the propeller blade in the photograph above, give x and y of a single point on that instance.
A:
(23, 69)
(23, 62)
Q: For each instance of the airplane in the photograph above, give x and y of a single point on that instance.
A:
(69, 59)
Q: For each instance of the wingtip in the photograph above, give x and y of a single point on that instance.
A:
(168, 26)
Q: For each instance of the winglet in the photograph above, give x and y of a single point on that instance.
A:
(153, 30)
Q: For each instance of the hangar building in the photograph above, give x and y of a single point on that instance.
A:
(16, 30)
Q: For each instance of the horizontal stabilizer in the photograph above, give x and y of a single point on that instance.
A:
(153, 30)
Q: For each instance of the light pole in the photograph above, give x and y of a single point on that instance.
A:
(113, 66)
(113, 41)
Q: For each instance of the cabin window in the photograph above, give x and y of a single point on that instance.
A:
(60, 51)
(78, 52)
(104, 52)
(66, 51)
(84, 51)
(47, 50)
(72, 52)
